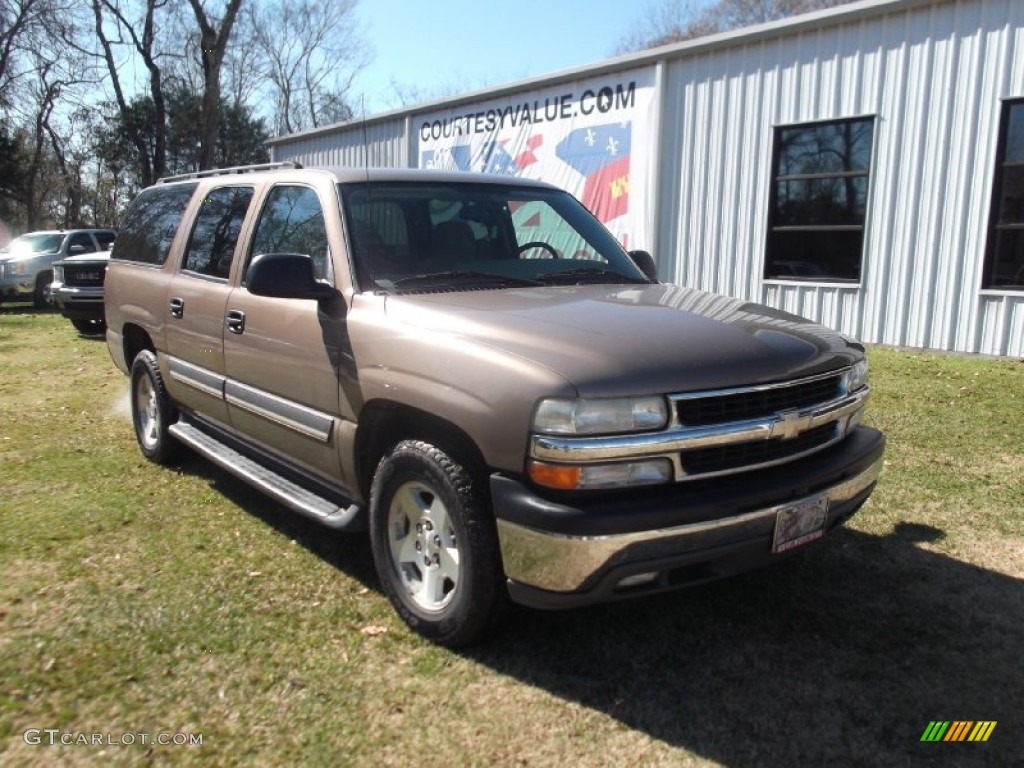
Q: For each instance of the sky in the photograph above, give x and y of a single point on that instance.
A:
(454, 46)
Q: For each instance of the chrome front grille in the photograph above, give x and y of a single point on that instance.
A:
(723, 432)
(702, 409)
(84, 274)
(722, 459)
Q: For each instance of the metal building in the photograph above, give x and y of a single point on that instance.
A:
(861, 166)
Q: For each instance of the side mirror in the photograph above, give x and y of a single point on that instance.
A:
(286, 276)
(645, 262)
(76, 249)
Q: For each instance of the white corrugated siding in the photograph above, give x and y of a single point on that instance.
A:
(933, 76)
(380, 144)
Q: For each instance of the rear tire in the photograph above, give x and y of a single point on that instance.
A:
(435, 545)
(152, 411)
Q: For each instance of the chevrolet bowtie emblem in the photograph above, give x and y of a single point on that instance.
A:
(789, 424)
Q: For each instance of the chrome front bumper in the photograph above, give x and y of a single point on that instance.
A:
(70, 296)
(570, 564)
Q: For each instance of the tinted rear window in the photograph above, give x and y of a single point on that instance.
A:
(151, 224)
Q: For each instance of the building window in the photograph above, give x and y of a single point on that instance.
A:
(819, 200)
(1004, 259)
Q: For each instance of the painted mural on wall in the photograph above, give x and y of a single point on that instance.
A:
(593, 138)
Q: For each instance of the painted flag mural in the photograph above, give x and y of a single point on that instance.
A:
(457, 157)
(591, 138)
(601, 155)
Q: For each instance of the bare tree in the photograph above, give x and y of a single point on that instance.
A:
(17, 19)
(311, 52)
(405, 95)
(673, 21)
(142, 35)
(26, 28)
(242, 69)
(40, 77)
(214, 43)
(661, 23)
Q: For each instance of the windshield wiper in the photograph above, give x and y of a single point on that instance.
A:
(460, 276)
(601, 275)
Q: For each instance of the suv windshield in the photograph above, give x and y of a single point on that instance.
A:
(39, 243)
(427, 237)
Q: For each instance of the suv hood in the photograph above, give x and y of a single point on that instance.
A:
(621, 340)
(8, 256)
(95, 256)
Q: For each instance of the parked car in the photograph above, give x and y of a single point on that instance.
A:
(406, 350)
(77, 290)
(26, 264)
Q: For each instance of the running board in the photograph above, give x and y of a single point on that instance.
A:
(278, 487)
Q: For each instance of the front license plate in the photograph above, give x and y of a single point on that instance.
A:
(800, 523)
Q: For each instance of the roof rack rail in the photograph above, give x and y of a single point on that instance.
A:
(229, 171)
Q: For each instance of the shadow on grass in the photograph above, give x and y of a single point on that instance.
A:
(841, 655)
(7, 308)
(348, 552)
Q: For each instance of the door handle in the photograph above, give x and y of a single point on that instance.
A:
(236, 320)
(177, 307)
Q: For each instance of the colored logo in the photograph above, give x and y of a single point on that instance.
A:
(958, 730)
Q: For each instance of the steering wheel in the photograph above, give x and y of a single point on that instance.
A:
(537, 244)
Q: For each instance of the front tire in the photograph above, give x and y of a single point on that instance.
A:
(152, 411)
(89, 327)
(42, 297)
(435, 546)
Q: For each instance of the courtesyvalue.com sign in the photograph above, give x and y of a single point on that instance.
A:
(594, 137)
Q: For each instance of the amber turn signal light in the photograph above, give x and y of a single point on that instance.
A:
(565, 478)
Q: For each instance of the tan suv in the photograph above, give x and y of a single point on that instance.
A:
(472, 367)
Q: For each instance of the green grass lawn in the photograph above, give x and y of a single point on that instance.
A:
(136, 599)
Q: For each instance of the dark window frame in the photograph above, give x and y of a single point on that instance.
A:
(996, 202)
(105, 238)
(77, 237)
(773, 202)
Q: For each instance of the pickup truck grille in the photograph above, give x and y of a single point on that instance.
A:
(732, 458)
(84, 274)
(721, 408)
(725, 431)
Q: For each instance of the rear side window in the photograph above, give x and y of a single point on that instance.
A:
(151, 223)
(211, 247)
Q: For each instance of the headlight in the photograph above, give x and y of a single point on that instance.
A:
(18, 267)
(605, 416)
(857, 377)
(58, 274)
